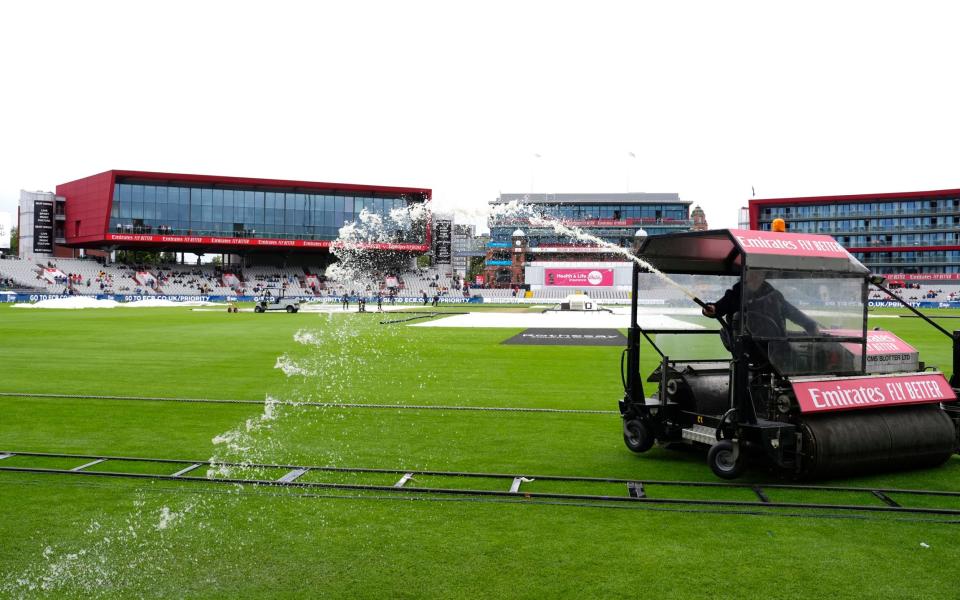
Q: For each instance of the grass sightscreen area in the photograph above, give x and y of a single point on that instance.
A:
(73, 536)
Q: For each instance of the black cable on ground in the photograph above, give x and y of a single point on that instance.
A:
(315, 404)
(423, 315)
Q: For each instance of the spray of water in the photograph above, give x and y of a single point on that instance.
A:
(122, 555)
(519, 210)
(359, 266)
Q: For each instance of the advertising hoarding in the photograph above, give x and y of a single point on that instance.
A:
(442, 249)
(578, 277)
(43, 227)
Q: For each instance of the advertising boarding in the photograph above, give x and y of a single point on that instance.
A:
(43, 227)
(578, 277)
(442, 249)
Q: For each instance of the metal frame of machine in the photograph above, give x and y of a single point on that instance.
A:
(831, 416)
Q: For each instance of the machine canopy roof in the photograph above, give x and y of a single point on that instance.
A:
(725, 251)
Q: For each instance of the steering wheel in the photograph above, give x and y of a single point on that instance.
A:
(762, 325)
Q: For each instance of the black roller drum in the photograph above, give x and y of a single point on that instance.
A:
(854, 442)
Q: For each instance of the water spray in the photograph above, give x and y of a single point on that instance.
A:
(562, 228)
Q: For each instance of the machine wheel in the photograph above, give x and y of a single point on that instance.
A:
(291, 309)
(258, 309)
(725, 461)
(637, 436)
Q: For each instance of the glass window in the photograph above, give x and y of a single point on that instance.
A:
(195, 204)
(150, 194)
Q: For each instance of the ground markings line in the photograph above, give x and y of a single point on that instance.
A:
(447, 407)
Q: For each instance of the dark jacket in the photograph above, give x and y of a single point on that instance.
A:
(766, 308)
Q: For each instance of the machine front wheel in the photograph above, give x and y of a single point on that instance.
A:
(291, 309)
(258, 309)
(637, 436)
(725, 461)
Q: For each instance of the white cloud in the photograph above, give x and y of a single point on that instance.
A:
(712, 98)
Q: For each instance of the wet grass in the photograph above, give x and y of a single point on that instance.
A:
(195, 539)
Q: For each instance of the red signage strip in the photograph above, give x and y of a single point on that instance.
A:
(255, 242)
(921, 276)
(854, 393)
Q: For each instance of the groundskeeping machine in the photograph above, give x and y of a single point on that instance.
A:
(801, 385)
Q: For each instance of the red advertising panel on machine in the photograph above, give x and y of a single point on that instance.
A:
(852, 393)
(794, 244)
(578, 277)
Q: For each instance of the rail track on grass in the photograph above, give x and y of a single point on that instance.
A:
(502, 485)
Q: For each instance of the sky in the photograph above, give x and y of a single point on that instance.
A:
(711, 100)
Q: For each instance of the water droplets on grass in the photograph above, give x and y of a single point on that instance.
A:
(117, 555)
(337, 360)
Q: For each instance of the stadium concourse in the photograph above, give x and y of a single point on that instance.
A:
(88, 277)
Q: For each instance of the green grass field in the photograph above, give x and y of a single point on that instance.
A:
(69, 536)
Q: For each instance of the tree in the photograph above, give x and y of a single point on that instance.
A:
(14, 241)
(475, 266)
(138, 257)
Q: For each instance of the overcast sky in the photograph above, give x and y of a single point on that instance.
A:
(712, 98)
